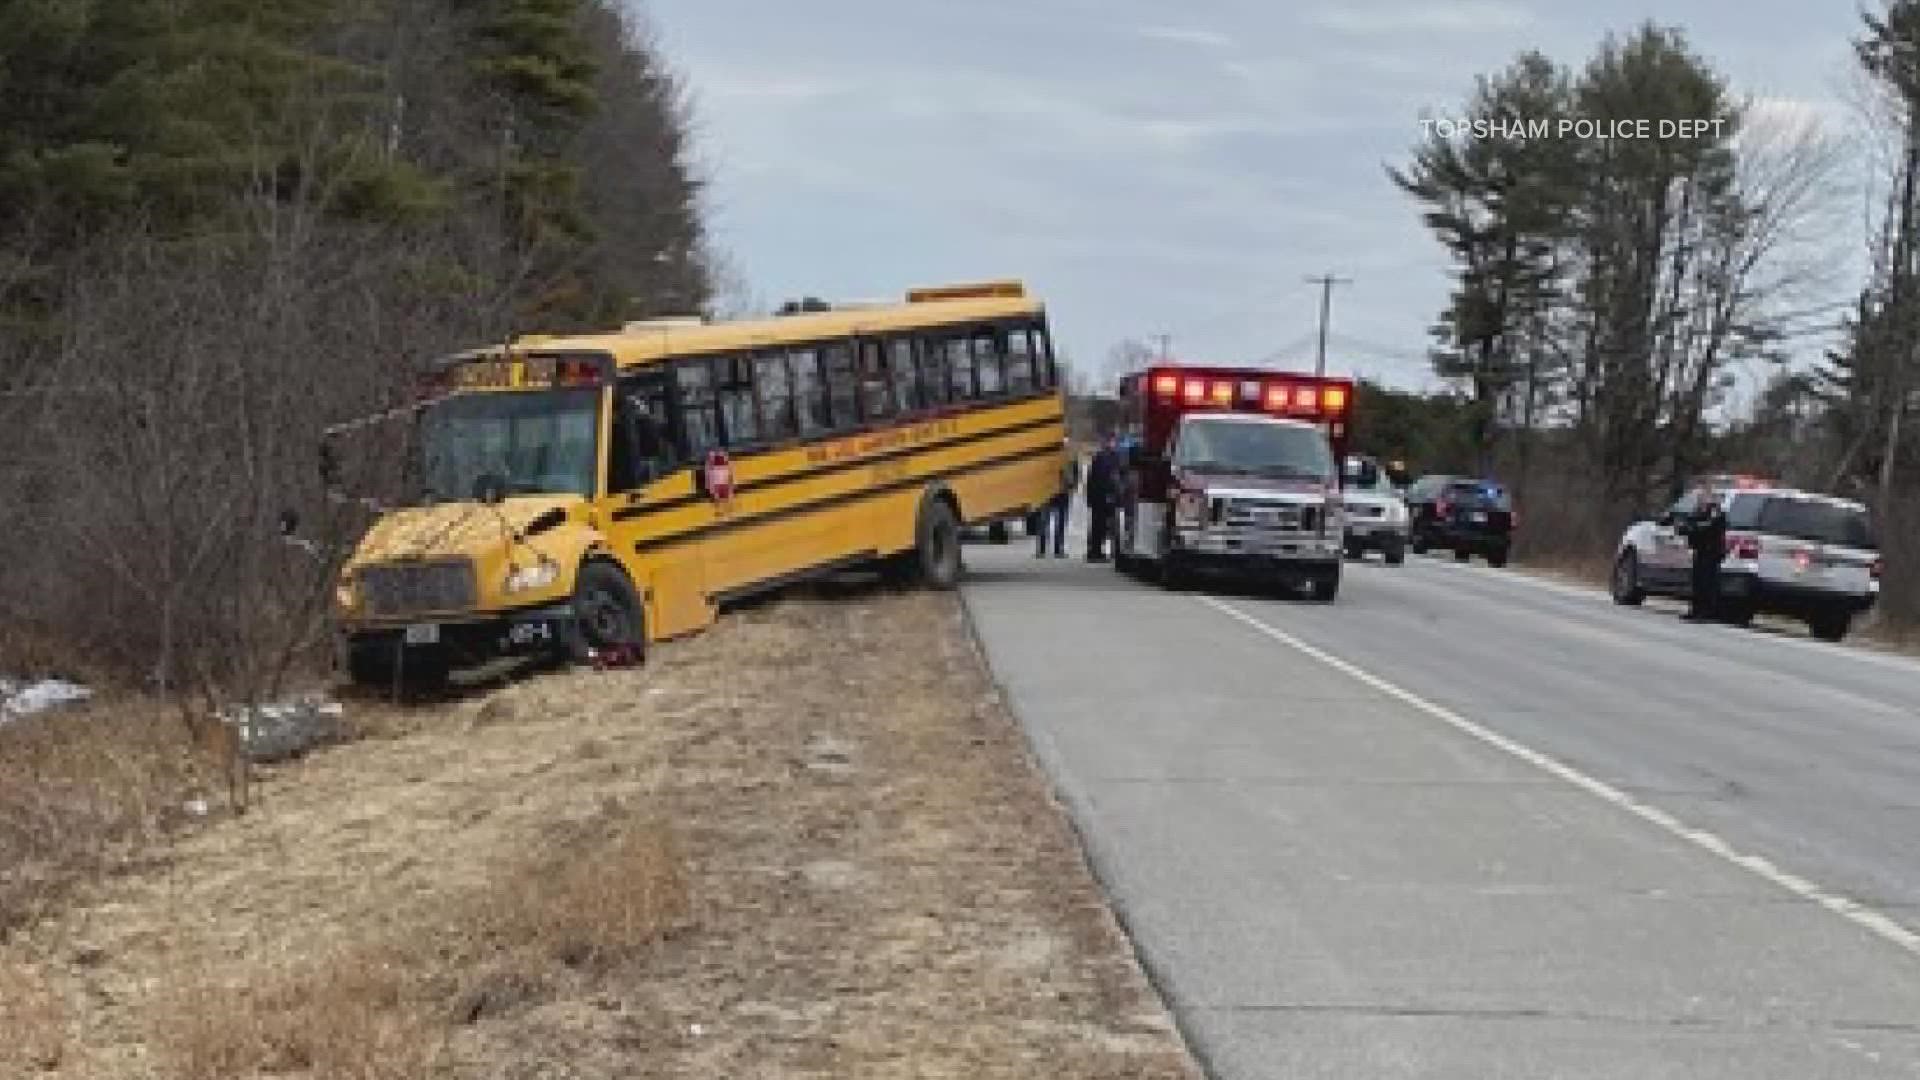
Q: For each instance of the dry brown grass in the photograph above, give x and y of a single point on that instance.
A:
(354, 1016)
(86, 790)
(592, 902)
(807, 843)
(383, 1010)
(33, 1022)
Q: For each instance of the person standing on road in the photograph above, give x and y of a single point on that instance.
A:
(1706, 532)
(1127, 451)
(1103, 495)
(1053, 516)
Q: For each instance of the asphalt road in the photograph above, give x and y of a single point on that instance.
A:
(1466, 824)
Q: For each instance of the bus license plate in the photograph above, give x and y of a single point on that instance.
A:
(528, 633)
(423, 634)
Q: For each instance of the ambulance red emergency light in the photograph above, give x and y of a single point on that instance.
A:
(1235, 469)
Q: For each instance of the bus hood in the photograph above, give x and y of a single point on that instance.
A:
(464, 528)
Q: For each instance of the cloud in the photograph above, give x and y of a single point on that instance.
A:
(1185, 35)
(1426, 17)
(1144, 168)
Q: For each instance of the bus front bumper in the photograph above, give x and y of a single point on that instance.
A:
(465, 640)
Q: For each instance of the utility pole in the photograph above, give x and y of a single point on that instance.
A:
(1326, 283)
(1166, 347)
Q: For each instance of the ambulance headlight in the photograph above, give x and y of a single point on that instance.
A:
(1190, 508)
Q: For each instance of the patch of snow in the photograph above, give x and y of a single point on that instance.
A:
(278, 731)
(19, 699)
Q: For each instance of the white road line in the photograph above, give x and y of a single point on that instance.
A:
(1864, 917)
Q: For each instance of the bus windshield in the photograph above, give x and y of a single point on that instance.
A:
(533, 442)
(1281, 451)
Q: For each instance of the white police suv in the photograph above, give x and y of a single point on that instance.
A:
(1791, 553)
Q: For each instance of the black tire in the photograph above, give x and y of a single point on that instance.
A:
(1420, 544)
(937, 545)
(1498, 559)
(1461, 554)
(1324, 588)
(997, 533)
(1396, 553)
(1736, 613)
(1355, 551)
(1625, 583)
(607, 613)
(1830, 625)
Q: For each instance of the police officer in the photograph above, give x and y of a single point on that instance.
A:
(1103, 496)
(1706, 532)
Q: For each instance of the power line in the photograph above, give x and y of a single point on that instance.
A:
(1326, 283)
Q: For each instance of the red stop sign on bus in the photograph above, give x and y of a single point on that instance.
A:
(719, 474)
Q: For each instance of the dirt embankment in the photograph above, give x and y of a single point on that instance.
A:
(808, 843)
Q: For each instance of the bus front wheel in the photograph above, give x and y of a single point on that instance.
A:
(607, 613)
(937, 544)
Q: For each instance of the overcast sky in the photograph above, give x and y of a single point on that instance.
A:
(1148, 167)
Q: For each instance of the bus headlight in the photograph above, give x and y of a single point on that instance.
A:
(538, 576)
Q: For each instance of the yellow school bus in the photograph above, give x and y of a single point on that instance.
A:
(599, 492)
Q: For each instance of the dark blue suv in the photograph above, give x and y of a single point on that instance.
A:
(1465, 516)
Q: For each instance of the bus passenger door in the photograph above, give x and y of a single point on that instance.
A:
(652, 500)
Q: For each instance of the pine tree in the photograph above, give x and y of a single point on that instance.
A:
(1499, 199)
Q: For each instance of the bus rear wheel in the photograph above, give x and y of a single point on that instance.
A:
(937, 544)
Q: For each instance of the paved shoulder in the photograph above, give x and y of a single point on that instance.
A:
(1328, 881)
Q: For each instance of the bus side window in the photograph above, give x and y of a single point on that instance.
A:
(809, 392)
(736, 400)
(699, 409)
(843, 385)
(643, 449)
(959, 365)
(933, 372)
(1044, 359)
(906, 380)
(1020, 357)
(876, 389)
(989, 362)
(776, 397)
